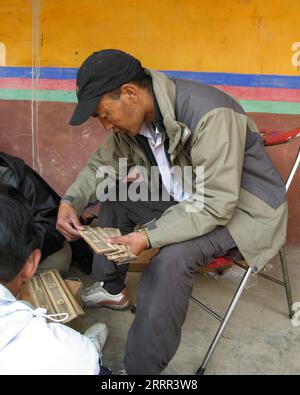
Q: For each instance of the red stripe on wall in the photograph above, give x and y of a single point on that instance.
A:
(239, 92)
(43, 84)
(264, 94)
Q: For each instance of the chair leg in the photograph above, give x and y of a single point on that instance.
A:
(286, 281)
(225, 320)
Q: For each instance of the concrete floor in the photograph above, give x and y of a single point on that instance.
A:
(259, 339)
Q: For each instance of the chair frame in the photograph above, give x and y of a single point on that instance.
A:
(285, 283)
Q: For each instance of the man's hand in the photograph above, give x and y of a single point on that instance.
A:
(67, 222)
(135, 241)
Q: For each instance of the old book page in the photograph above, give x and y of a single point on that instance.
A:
(48, 290)
(96, 238)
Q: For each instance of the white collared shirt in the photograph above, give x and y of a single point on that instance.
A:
(156, 141)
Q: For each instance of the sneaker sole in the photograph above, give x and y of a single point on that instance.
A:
(107, 305)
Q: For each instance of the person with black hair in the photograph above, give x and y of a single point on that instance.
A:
(28, 343)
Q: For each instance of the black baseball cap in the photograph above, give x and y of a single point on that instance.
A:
(101, 72)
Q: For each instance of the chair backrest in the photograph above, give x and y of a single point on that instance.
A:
(275, 137)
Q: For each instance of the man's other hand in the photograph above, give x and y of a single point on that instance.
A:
(67, 222)
(135, 241)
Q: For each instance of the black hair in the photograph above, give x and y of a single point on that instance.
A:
(18, 235)
(142, 80)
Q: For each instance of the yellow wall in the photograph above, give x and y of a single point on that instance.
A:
(242, 36)
(15, 32)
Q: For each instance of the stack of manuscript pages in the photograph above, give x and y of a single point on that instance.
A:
(48, 290)
(96, 238)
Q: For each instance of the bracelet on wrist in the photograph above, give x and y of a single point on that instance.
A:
(144, 233)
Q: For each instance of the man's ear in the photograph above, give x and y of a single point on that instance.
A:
(131, 91)
(31, 265)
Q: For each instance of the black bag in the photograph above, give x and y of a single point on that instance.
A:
(42, 200)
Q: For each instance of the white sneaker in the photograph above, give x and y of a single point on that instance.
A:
(97, 296)
(97, 334)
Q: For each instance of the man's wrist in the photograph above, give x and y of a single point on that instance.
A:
(67, 203)
(146, 238)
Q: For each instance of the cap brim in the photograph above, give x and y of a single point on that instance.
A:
(83, 111)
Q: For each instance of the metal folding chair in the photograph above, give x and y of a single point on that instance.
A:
(269, 138)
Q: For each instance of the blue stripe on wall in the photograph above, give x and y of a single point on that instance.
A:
(251, 80)
(60, 73)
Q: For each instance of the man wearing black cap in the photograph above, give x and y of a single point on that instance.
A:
(156, 121)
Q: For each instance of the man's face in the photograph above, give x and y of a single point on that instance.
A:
(122, 115)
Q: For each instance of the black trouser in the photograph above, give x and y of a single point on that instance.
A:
(165, 287)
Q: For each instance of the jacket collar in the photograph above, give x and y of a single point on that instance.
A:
(159, 121)
(164, 91)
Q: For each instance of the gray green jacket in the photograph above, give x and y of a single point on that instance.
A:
(242, 188)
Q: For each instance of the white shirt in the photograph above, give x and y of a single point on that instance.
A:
(156, 141)
(31, 345)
